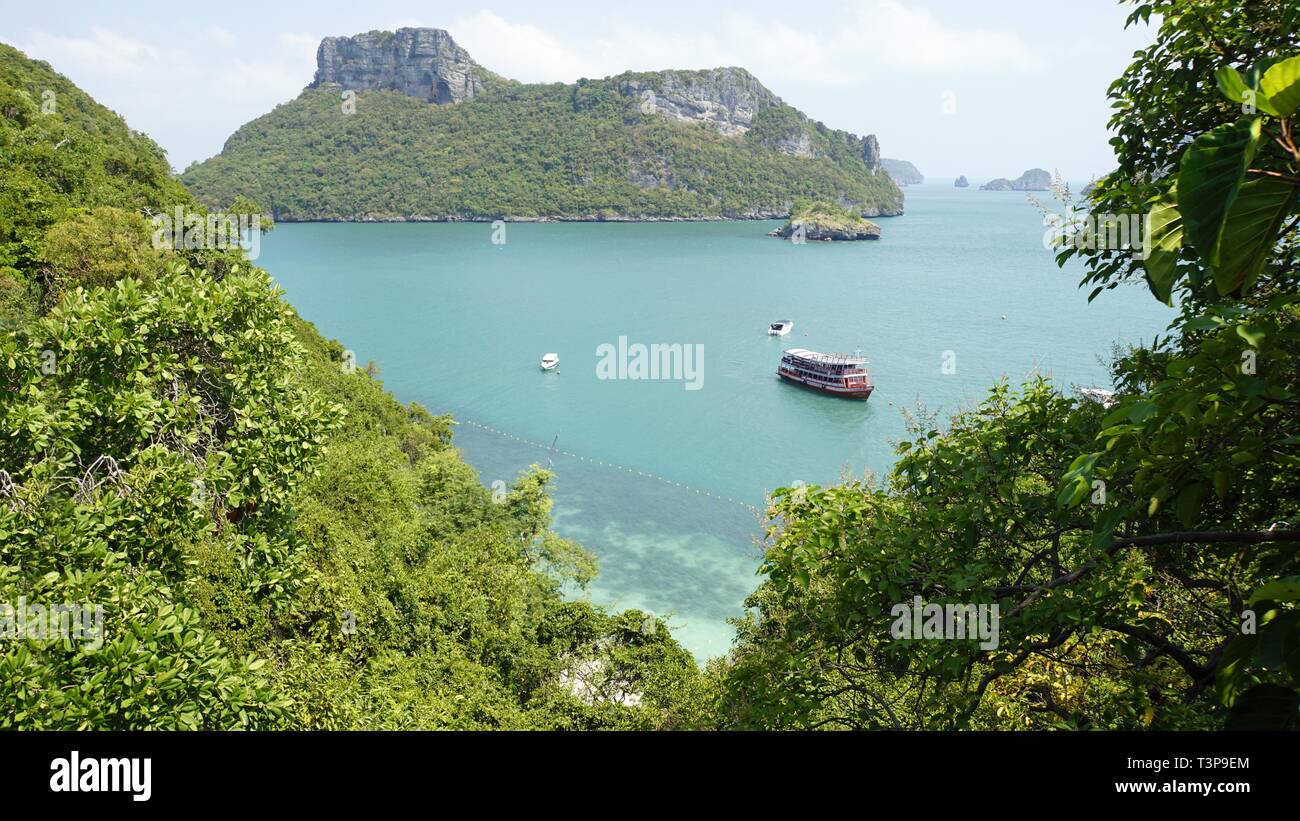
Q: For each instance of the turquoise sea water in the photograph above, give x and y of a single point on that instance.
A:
(458, 324)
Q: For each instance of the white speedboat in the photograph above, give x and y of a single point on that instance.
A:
(550, 361)
(1101, 396)
(781, 327)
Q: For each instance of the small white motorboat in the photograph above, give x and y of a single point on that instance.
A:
(781, 327)
(1101, 396)
(550, 361)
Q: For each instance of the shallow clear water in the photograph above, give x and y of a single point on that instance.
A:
(459, 324)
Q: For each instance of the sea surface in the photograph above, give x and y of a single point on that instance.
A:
(662, 481)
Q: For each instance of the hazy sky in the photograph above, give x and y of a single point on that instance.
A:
(983, 89)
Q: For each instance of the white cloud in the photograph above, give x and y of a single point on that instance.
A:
(871, 35)
(143, 81)
(519, 50)
(105, 50)
(911, 38)
(775, 49)
(302, 46)
(221, 36)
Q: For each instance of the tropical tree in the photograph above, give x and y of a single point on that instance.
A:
(1142, 555)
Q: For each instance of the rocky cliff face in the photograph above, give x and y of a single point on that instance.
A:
(420, 62)
(729, 99)
(726, 98)
(869, 147)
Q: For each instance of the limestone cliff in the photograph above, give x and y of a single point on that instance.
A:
(725, 98)
(424, 63)
(734, 102)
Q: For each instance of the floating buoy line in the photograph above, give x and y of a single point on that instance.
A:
(552, 449)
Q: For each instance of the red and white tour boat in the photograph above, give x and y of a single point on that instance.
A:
(838, 374)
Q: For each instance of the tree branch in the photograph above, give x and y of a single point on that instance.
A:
(1180, 537)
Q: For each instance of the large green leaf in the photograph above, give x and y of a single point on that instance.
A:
(1275, 640)
(1286, 589)
(1250, 231)
(1254, 75)
(1076, 482)
(1211, 171)
(1247, 88)
(1281, 85)
(1231, 83)
(1164, 242)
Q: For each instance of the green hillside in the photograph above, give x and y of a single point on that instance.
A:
(274, 541)
(271, 540)
(583, 151)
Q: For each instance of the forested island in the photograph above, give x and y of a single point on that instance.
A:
(365, 142)
(279, 543)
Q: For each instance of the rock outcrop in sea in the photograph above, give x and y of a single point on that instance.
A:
(962, 182)
(1035, 179)
(825, 222)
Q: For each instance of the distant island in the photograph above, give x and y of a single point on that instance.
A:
(405, 126)
(902, 171)
(1035, 179)
(825, 222)
(962, 182)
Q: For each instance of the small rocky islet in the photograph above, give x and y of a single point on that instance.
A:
(826, 222)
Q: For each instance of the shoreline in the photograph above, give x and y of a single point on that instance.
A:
(518, 219)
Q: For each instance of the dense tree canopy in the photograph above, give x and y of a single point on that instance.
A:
(582, 150)
(274, 541)
(1142, 556)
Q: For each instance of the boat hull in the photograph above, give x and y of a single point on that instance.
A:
(861, 394)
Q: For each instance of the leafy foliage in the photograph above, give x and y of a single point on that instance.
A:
(61, 153)
(274, 541)
(1142, 556)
